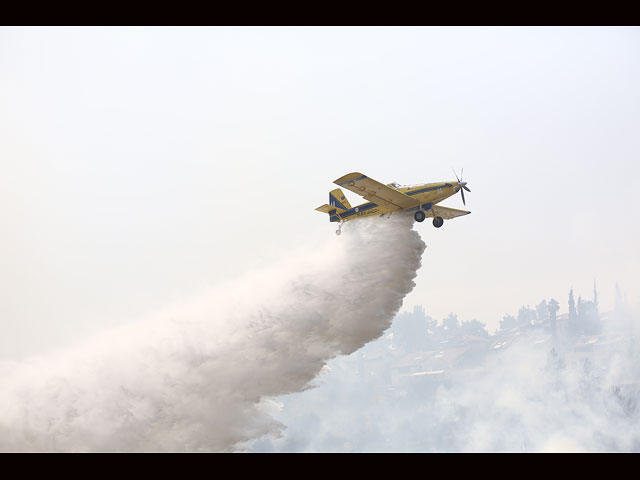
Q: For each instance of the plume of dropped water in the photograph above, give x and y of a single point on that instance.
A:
(192, 379)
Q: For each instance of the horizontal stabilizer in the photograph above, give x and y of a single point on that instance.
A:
(329, 209)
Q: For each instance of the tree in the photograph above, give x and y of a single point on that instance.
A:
(580, 307)
(588, 320)
(572, 306)
(542, 312)
(526, 315)
(411, 330)
(573, 313)
(553, 308)
(474, 328)
(507, 322)
(450, 323)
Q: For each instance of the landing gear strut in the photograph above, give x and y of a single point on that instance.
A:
(437, 222)
(419, 216)
(339, 230)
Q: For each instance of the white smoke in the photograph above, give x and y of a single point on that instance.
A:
(522, 398)
(193, 379)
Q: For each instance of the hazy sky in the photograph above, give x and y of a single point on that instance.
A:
(141, 166)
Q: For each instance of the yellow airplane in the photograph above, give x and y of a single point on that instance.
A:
(384, 199)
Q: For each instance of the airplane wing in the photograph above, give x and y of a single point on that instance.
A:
(376, 192)
(446, 212)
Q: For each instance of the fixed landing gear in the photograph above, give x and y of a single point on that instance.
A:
(437, 222)
(419, 216)
(339, 230)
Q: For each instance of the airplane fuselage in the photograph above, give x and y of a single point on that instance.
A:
(427, 194)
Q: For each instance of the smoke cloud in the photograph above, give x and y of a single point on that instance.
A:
(524, 397)
(195, 378)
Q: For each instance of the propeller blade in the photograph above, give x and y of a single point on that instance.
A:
(454, 172)
(461, 170)
(465, 187)
(462, 193)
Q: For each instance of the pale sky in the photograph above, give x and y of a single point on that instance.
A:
(141, 166)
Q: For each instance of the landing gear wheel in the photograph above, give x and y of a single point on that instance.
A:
(338, 232)
(437, 222)
(419, 216)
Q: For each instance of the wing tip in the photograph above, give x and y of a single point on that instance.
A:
(349, 177)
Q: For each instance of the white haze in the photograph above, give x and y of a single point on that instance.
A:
(522, 399)
(192, 379)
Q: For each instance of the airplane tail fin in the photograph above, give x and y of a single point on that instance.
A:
(338, 200)
(338, 203)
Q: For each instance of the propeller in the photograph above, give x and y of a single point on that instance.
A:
(462, 185)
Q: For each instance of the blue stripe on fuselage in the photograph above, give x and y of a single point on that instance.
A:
(369, 206)
(352, 211)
